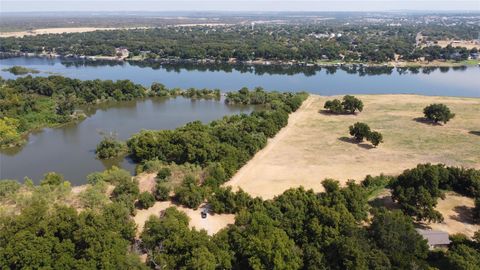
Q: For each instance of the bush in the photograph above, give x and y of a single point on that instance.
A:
(164, 173)
(359, 131)
(53, 179)
(438, 113)
(145, 200)
(8, 187)
(189, 193)
(161, 192)
(110, 147)
(375, 138)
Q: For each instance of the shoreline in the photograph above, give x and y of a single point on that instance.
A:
(256, 62)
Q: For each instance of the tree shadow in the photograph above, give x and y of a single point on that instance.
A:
(464, 214)
(327, 112)
(353, 141)
(475, 133)
(425, 121)
(384, 201)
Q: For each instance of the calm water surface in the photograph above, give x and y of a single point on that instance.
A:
(70, 149)
(325, 81)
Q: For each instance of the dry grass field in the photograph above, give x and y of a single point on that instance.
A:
(316, 145)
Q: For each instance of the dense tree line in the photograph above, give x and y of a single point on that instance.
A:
(48, 234)
(29, 103)
(227, 143)
(307, 42)
(297, 230)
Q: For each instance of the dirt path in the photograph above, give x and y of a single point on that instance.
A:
(272, 143)
(314, 145)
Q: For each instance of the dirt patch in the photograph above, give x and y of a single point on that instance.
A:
(309, 148)
(212, 224)
(457, 214)
(147, 182)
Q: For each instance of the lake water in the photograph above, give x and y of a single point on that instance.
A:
(70, 149)
(460, 81)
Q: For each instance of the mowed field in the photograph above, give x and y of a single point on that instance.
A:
(316, 145)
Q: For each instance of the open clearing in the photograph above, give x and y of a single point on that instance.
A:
(457, 214)
(212, 224)
(315, 145)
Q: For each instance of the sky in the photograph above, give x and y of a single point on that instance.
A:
(237, 5)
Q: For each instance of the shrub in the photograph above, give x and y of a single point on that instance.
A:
(438, 113)
(8, 187)
(146, 200)
(161, 192)
(359, 131)
(110, 147)
(53, 179)
(164, 173)
(189, 193)
(375, 138)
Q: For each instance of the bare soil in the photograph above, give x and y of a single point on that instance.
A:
(212, 224)
(457, 214)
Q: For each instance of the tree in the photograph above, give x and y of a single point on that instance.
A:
(334, 106)
(476, 210)
(146, 200)
(352, 104)
(417, 190)
(359, 131)
(375, 138)
(162, 192)
(164, 173)
(394, 234)
(110, 147)
(438, 113)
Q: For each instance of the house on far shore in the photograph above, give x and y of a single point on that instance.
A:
(435, 239)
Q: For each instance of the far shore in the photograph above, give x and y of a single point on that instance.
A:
(256, 62)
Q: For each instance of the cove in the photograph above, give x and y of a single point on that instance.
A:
(69, 149)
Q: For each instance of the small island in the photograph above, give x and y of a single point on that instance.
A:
(19, 70)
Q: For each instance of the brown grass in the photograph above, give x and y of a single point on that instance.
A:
(315, 145)
(457, 214)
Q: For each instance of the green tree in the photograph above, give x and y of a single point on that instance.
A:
(146, 200)
(417, 190)
(375, 138)
(110, 147)
(334, 106)
(394, 234)
(359, 131)
(438, 113)
(164, 173)
(352, 104)
(162, 192)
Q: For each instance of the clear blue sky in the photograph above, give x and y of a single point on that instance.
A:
(236, 5)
